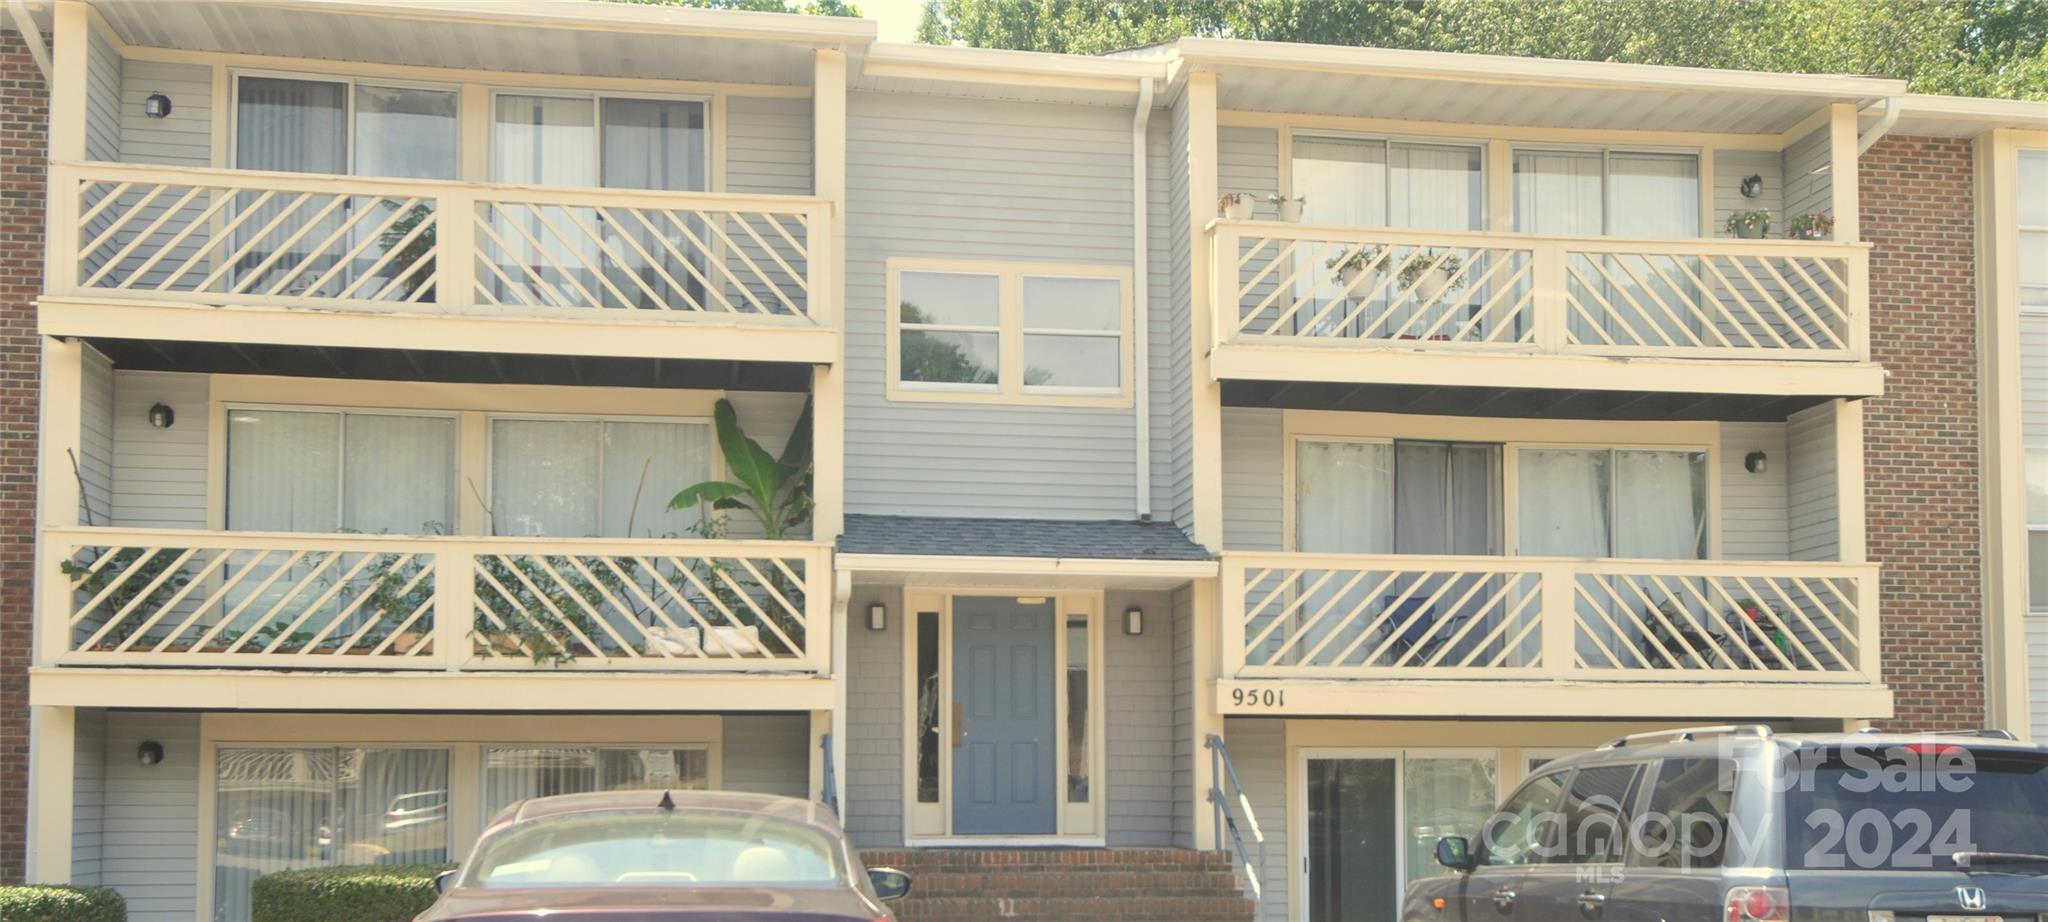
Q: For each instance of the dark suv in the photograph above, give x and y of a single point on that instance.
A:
(1738, 824)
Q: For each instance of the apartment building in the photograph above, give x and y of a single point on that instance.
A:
(1144, 515)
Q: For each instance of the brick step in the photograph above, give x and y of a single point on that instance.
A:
(1069, 885)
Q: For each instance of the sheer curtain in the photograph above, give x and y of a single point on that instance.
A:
(1559, 193)
(591, 478)
(278, 809)
(1343, 182)
(1661, 193)
(398, 474)
(317, 471)
(406, 132)
(1343, 497)
(547, 141)
(1562, 502)
(1660, 504)
(515, 774)
(645, 464)
(298, 126)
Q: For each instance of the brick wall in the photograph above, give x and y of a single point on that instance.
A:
(1921, 437)
(24, 117)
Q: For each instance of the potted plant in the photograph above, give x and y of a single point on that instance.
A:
(1349, 270)
(1750, 225)
(1814, 225)
(1430, 273)
(1237, 206)
(1288, 206)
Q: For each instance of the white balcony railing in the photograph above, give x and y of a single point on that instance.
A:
(119, 597)
(1289, 284)
(245, 237)
(1411, 616)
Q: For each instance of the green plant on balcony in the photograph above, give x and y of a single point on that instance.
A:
(137, 582)
(1750, 225)
(408, 255)
(1814, 225)
(539, 606)
(775, 491)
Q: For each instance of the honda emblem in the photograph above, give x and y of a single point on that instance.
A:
(1971, 898)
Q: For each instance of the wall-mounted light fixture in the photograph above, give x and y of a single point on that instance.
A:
(878, 617)
(162, 416)
(1756, 462)
(1752, 186)
(149, 753)
(156, 105)
(1134, 621)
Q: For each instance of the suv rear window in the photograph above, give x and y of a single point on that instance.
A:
(1912, 807)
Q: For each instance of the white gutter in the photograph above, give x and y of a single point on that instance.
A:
(33, 36)
(1141, 335)
(1884, 124)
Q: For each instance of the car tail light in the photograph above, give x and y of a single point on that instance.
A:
(1932, 749)
(1758, 904)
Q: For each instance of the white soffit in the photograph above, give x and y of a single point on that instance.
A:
(575, 37)
(1963, 116)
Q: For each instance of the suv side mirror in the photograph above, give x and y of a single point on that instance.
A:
(890, 884)
(443, 881)
(1455, 852)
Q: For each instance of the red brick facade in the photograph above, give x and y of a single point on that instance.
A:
(24, 120)
(1921, 438)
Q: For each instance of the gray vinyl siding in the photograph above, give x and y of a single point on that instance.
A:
(96, 440)
(874, 721)
(1808, 187)
(2034, 432)
(2037, 669)
(1248, 160)
(1139, 708)
(185, 137)
(767, 754)
(1185, 747)
(767, 418)
(1258, 749)
(88, 796)
(1168, 389)
(1179, 359)
(150, 840)
(768, 145)
(159, 474)
(1811, 492)
(1730, 168)
(1753, 510)
(980, 180)
(1254, 479)
(102, 98)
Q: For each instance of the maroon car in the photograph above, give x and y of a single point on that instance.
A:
(653, 856)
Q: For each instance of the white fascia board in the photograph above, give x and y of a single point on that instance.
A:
(603, 17)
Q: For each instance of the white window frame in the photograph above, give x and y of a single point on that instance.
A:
(341, 451)
(489, 487)
(1010, 329)
(351, 81)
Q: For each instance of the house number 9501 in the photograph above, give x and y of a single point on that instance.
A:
(1258, 698)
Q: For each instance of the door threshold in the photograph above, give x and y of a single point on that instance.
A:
(1005, 842)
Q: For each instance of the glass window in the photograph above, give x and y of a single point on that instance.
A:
(653, 144)
(544, 140)
(1410, 497)
(1011, 331)
(1972, 801)
(1523, 830)
(656, 849)
(515, 774)
(951, 329)
(594, 478)
(1353, 837)
(928, 707)
(297, 126)
(406, 132)
(1365, 182)
(1077, 709)
(1444, 796)
(323, 471)
(1343, 495)
(1577, 502)
(1597, 813)
(2033, 221)
(279, 809)
(1687, 823)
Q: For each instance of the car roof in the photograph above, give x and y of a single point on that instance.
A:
(792, 809)
(1714, 743)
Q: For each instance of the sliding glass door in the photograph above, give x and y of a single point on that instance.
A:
(1372, 818)
(1590, 193)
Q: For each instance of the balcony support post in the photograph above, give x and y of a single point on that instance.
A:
(1557, 607)
(828, 380)
(455, 252)
(454, 606)
(1206, 426)
(1843, 138)
(1548, 309)
(61, 495)
(1203, 711)
(53, 757)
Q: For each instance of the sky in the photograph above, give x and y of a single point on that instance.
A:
(897, 18)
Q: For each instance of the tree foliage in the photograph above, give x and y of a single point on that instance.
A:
(1968, 47)
(806, 7)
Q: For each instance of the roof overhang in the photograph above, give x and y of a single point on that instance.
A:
(1511, 91)
(575, 37)
(987, 73)
(1049, 572)
(1964, 116)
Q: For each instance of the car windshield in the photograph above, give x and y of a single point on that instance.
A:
(1915, 806)
(656, 850)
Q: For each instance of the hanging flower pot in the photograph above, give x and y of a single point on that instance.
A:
(1750, 225)
(1237, 206)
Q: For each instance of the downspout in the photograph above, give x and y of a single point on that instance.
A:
(31, 35)
(1884, 124)
(1141, 329)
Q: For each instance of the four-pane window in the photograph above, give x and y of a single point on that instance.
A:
(1015, 332)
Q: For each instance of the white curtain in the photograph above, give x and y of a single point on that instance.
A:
(1343, 497)
(653, 144)
(405, 132)
(548, 141)
(296, 126)
(515, 774)
(278, 809)
(1435, 186)
(284, 471)
(1559, 193)
(1660, 505)
(1661, 193)
(1562, 502)
(1344, 183)
(398, 474)
(589, 478)
(544, 140)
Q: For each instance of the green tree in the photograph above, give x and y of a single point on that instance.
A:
(1974, 47)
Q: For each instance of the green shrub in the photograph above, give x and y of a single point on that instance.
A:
(61, 904)
(368, 893)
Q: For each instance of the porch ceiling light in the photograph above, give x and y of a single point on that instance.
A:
(162, 416)
(878, 617)
(1134, 621)
(149, 753)
(1756, 462)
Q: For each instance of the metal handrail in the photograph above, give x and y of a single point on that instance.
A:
(1220, 769)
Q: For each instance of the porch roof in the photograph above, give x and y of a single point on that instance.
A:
(946, 536)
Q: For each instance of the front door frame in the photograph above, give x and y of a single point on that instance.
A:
(1298, 873)
(1079, 824)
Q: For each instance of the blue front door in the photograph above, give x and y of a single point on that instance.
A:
(1004, 760)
